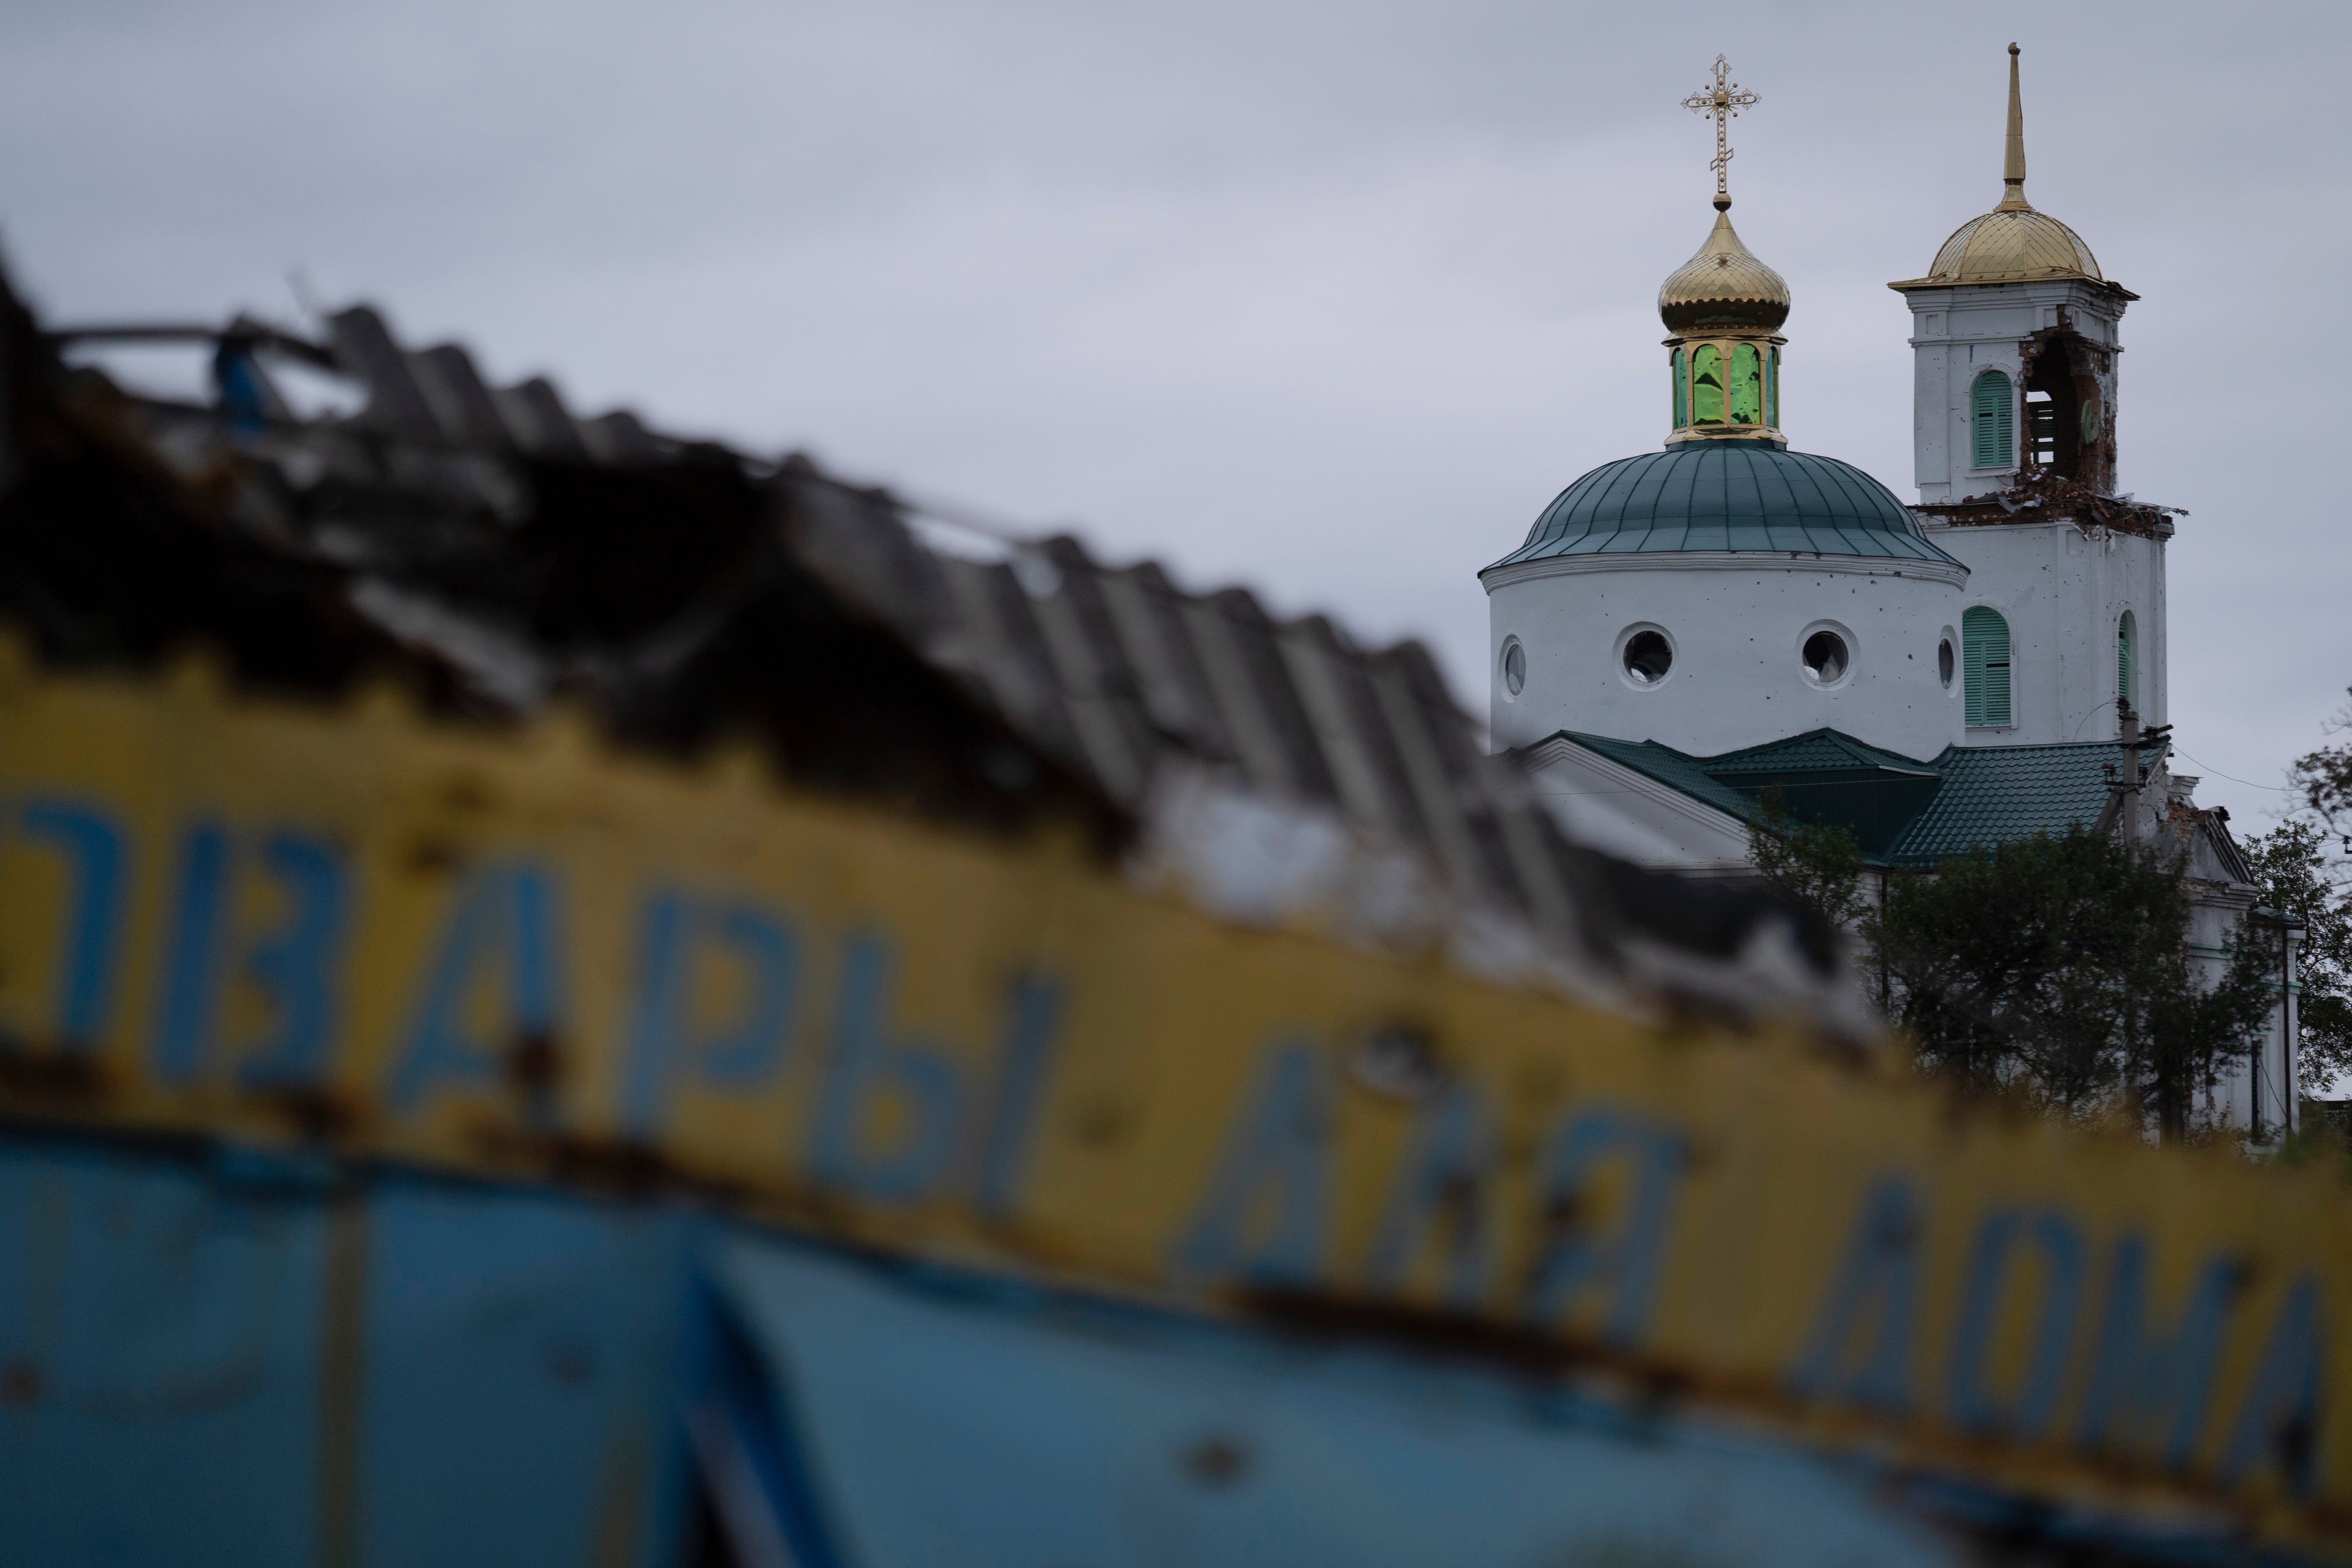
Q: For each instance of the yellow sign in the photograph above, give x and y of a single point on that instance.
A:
(528, 956)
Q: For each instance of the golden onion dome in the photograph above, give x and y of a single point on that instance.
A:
(2012, 243)
(1723, 286)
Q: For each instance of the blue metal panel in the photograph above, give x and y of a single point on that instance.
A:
(520, 1379)
(240, 1359)
(231, 1361)
(159, 1356)
(950, 1422)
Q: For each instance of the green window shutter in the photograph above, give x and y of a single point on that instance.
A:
(1682, 390)
(2126, 633)
(1707, 385)
(1996, 421)
(1747, 386)
(1984, 659)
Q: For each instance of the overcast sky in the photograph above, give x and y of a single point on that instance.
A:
(1328, 298)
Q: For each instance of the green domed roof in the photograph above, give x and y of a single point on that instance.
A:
(1726, 495)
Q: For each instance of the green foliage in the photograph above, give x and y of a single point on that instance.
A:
(2053, 967)
(2325, 777)
(2291, 866)
(2059, 966)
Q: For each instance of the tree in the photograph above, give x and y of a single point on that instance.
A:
(2326, 775)
(2055, 966)
(2291, 866)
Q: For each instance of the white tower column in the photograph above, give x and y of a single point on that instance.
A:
(2014, 348)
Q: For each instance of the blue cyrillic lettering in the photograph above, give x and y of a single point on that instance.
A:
(1880, 1278)
(865, 1062)
(1974, 1406)
(1276, 1161)
(93, 847)
(1443, 1182)
(1576, 1257)
(503, 929)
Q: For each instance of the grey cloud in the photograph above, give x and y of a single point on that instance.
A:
(1328, 298)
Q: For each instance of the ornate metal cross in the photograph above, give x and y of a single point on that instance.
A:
(1724, 100)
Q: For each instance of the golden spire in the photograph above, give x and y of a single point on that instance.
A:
(2012, 166)
(1725, 101)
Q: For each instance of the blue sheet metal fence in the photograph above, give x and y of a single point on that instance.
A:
(209, 1357)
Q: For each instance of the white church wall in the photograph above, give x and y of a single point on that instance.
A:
(1736, 623)
(1958, 335)
(2257, 1092)
(2062, 590)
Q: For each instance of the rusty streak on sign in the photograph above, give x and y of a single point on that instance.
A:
(532, 957)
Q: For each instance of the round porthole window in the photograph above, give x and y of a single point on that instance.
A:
(1944, 662)
(1515, 667)
(1826, 659)
(1648, 656)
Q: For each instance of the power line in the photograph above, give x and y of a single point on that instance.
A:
(2276, 789)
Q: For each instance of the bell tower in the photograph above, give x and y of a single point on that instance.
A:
(2014, 348)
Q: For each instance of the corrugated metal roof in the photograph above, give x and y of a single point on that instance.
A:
(1726, 495)
(687, 590)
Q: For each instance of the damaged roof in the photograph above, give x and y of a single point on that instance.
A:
(497, 551)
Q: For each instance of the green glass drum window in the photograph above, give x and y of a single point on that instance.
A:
(1682, 390)
(1747, 386)
(1707, 385)
(1984, 664)
(1996, 421)
(1772, 390)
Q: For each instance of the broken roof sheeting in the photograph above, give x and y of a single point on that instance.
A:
(1120, 670)
(684, 593)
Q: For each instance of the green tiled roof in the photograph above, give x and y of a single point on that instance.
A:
(1813, 749)
(1903, 811)
(1668, 766)
(1994, 793)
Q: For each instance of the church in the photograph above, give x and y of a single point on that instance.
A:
(1683, 630)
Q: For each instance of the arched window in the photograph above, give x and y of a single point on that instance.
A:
(1772, 391)
(2127, 658)
(1706, 384)
(1996, 421)
(1682, 390)
(1984, 665)
(1747, 386)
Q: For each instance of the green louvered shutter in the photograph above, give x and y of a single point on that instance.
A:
(1995, 435)
(2126, 633)
(1984, 660)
